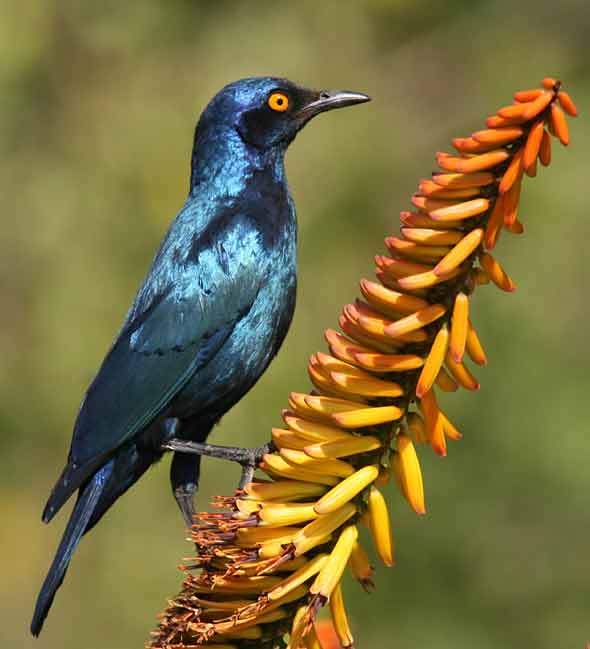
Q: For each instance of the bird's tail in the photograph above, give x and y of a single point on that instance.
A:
(88, 498)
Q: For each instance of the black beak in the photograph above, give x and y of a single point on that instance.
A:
(330, 99)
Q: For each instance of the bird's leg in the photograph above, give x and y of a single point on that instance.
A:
(249, 458)
(184, 476)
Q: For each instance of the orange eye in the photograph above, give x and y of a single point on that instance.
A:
(278, 101)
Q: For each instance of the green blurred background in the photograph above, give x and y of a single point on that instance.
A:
(98, 104)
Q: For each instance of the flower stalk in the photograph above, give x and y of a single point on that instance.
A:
(273, 554)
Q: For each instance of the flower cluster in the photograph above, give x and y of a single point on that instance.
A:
(273, 554)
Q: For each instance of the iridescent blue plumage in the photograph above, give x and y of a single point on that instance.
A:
(209, 317)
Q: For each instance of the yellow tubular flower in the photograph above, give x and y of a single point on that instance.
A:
(280, 514)
(298, 577)
(340, 618)
(278, 466)
(410, 473)
(322, 526)
(329, 576)
(474, 348)
(283, 489)
(417, 428)
(331, 466)
(298, 628)
(434, 362)
(445, 382)
(459, 327)
(368, 416)
(343, 447)
(346, 490)
(311, 640)
(360, 567)
(286, 439)
(380, 526)
(407, 338)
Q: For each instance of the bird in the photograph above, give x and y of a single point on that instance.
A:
(210, 315)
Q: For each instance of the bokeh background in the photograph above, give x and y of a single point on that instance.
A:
(97, 109)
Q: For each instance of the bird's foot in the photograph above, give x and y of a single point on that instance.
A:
(184, 498)
(248, 458)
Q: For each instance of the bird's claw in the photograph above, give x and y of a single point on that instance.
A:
(252, 459)
(248, 458)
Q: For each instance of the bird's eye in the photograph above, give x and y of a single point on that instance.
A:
(278, 101)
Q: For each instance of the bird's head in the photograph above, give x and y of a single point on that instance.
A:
(268, 112)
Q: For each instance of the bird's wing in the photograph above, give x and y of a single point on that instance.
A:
(198, 288)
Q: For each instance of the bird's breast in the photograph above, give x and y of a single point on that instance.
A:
(253, 343)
